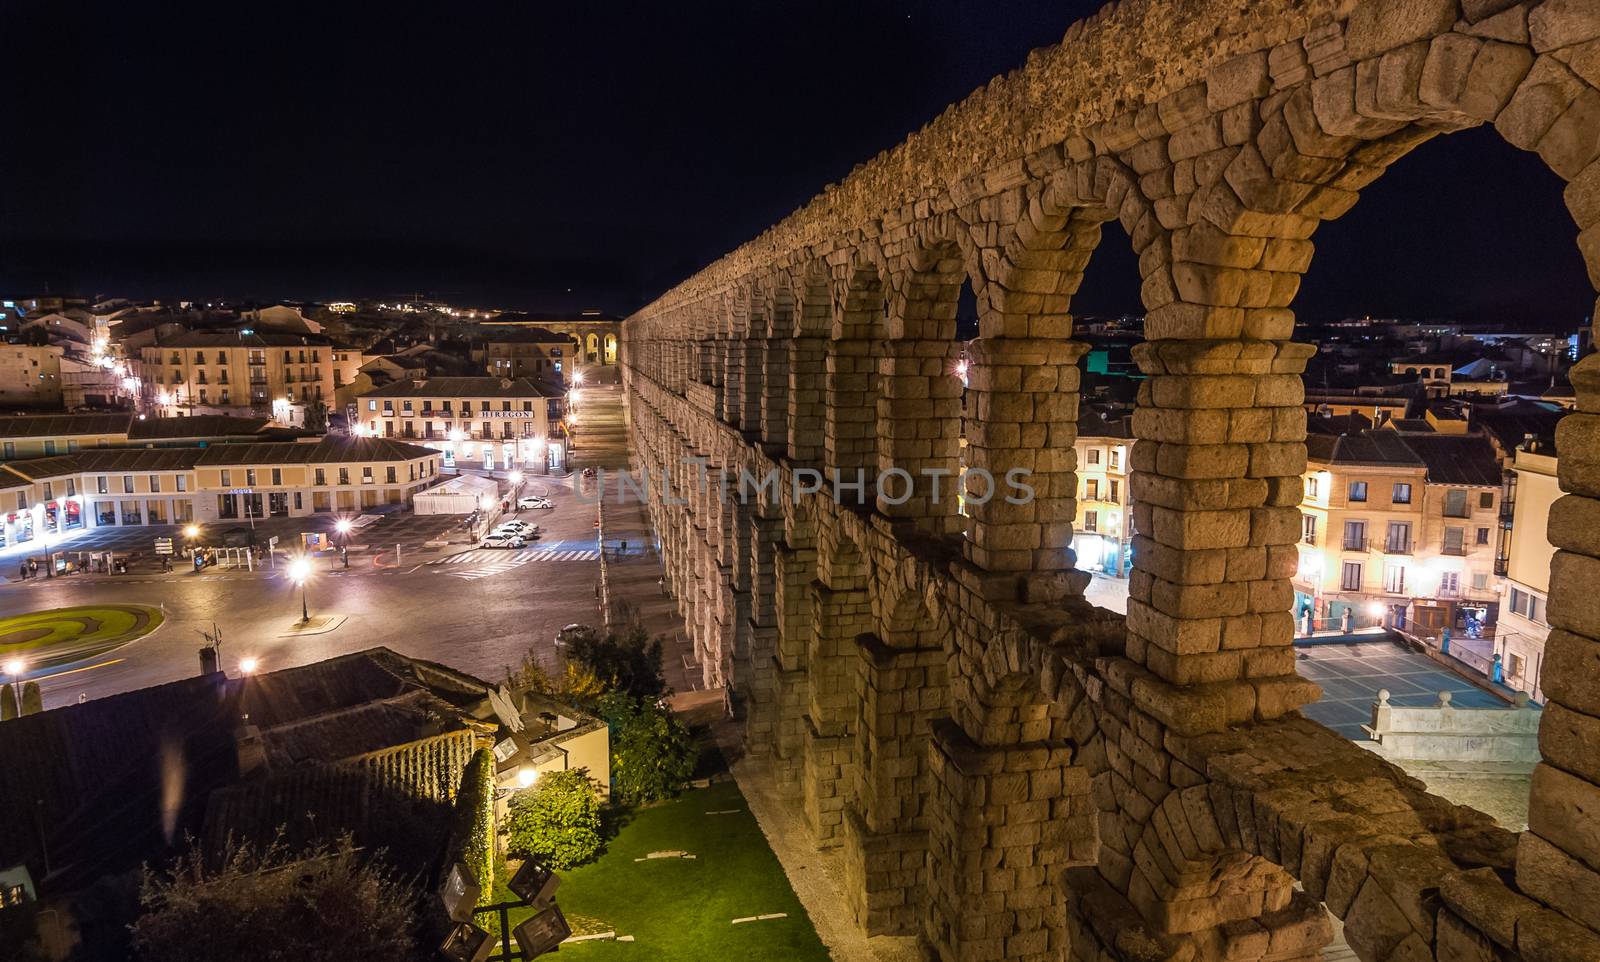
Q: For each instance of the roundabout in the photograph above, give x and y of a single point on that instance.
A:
(61, 636)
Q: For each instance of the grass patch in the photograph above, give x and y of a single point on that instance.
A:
(681, 910)
(62, 635)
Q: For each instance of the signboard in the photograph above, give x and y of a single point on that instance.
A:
(272, 542)
(163, 546)
(542, 933)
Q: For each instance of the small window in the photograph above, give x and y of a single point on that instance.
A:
(1116, 458)
(1402, 493)
(155, 484)
(1483, 536)
(227, 478)
(277, 476)
(320, 477)
(1094, 455)
(1350, 577)
(366, 475)
(1394, 579)
(1455, 503)
(100, 485)
(249, 477)
(389, 474)
(1358, 490)
(1091, 521)
(127, 484)
(1480, 580)
(1114, 490)
(344, 475)
(1486, 499)
(183, 482)
(1312, 488)
(1091, 489)
(372, 405)
(1308, 528)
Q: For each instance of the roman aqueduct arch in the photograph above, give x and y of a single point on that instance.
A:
(1008, 771)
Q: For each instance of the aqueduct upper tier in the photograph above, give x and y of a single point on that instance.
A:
(1010, 772)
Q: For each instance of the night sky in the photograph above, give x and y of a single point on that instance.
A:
(504, 153)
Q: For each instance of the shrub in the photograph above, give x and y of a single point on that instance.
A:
(472, 833)
(556, 821)
(652, 753)
(324, 905)
(32, 700)
(628, 663)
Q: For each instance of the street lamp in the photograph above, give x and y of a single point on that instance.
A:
(342, 528)
(300, 573)
(248, 665)
(14, 668)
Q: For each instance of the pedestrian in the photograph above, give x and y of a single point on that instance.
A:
(624, 547)
(24, 572)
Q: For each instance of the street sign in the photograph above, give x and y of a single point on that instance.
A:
(163, 546)
(272, 542)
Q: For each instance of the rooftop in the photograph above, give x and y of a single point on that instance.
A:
(461, 387)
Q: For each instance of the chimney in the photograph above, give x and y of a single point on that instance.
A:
(252, 751)
(208, 661)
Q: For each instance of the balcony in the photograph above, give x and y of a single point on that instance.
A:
(1397, 547)
(1455, 550)
(1355, 544)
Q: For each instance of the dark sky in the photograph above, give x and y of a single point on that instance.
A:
(506, 152)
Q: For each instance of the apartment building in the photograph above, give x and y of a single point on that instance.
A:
(239, 372)
(30, 375)
(1524, 625)
(218, 483)
(488, 422)
(1399, 529)
(529, 352)
(1102, 535)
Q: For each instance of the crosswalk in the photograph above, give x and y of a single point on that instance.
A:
(485, 563)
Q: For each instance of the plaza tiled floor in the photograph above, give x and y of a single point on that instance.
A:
(1351, 674)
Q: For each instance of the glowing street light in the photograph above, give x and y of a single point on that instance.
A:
(516, 477)
(300, 573)
(248, 665)
(577, 377)
(14, 667)
(526, 776)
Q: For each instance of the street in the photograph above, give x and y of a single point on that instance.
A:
(475, 609)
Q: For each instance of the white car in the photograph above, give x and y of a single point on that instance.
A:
(503, 540)
(517, 527)
(536, 503)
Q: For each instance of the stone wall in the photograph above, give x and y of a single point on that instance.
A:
(1009, 772)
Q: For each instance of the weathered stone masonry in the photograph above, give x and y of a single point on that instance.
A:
(1007, 771)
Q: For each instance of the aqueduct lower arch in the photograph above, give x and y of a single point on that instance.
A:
(1018, 774)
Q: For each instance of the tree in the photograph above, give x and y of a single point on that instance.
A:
(629, 663)
(317, 417)
(325, 905)
(32, 700)
(557, 821)
(652, 753)
(8, 703)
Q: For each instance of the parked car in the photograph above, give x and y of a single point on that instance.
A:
(536, 503)
(517, 527)
(571, 633)
(506, 540)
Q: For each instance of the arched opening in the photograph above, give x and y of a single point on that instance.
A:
(852, 385)
(611, 349)
(808, 363)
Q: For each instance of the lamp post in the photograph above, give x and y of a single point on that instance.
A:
(14, 669)
(342, 529)
(300, 571)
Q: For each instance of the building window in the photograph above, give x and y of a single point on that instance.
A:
(1116, 459)
(1358, 490)
(1399, 540)
(366, 475)
(227, 478)
(389, 474)
(1480, 581)
(1402, 493)
(1091, 489)
(10, 450)
(49, 491)
(1311, 487)
(1355, 536)
(183, 482)
(1308, 528)
(277, 476)
(155, 484)
(49, 447)
(319, 477)
(249, 477)
(344, 475)
(1350, 576)
(1483, 536)
(1091, 521)
(72, 488)
(1114, 488)
(1455, 540)
(1455, 503)
(100, 485)
(127, 484)
(1486, 499)
(1449, 584)
(1094, 455)
(1394, 579)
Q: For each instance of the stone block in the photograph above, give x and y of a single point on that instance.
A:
(1495, 76)
(1565, 810)
(1570, 740)
(1550, 937)
(1562, 23)
(1540, 100)
(1379, 25)
(1558, 880)
(1574, 605)
(1571, 673)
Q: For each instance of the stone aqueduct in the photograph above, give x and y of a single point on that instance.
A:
(1009, 771)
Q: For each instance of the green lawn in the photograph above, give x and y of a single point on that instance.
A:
(681, 910)
(60, 636)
